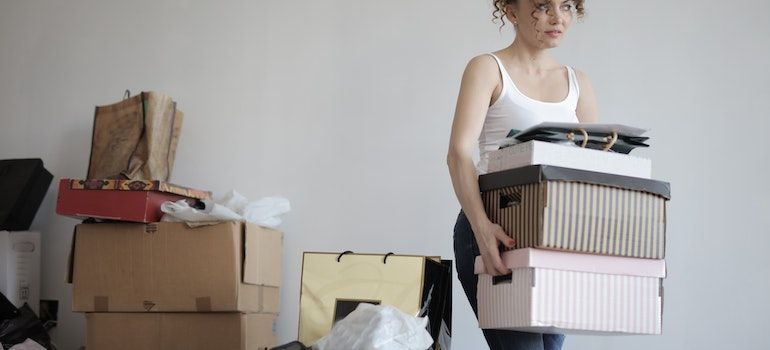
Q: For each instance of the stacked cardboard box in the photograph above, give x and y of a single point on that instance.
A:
(590, 231)
(168, 286)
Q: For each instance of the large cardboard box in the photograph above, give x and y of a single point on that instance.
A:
(561, 292)
(548, 153)
(20, 268)
(179, 331)
(333, 284)
(169, 267)
(23, 185)
(543, 206)
(122, 200)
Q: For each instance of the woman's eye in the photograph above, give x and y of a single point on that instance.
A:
(541, 7)
(566, 7)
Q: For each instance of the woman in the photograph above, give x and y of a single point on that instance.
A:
(514, 88)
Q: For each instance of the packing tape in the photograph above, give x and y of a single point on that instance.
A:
(203, 304)
(101, 304)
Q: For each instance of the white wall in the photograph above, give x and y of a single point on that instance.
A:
(345, 108)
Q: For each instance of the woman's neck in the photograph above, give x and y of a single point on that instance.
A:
(529, 58)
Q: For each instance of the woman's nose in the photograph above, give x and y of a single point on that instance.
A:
(558, 16)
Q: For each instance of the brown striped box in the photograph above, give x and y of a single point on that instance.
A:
(561, 292)
(575, 210)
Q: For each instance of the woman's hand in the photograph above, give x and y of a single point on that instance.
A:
(489, 236)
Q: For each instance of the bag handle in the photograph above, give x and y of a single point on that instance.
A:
(343, 253)
(384, 259)
(571, 137)
(610, 141)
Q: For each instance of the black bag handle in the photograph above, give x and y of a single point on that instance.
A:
(343, 253)
(384, 259)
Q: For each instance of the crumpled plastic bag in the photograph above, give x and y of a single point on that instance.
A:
(28, 344)
(231, 207)
(295, 345)
(377, 327)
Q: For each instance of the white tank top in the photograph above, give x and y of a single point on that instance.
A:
(514, 110)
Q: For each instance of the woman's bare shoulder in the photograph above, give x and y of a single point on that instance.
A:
(482, 67)
(581, 76)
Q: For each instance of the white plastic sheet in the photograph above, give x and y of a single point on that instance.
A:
(28, 344)
(231, 207)
(377, 327)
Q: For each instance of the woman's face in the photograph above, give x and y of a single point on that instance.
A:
(541, 23)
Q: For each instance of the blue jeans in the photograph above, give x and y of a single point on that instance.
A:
(466, 251)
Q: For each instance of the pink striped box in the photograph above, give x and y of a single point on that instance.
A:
(563, 292)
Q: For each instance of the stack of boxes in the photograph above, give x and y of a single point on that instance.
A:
(147, 284)
(590, 231)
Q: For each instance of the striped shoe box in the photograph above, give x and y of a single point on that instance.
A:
(547, 294)
(577, 210)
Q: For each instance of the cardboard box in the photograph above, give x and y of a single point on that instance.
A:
(23, 185)
(560, 292)
(20, 268)
(122, 200)
(333, 284)
(547, 153)
(169, 267)
(179, 331)
(543, 206)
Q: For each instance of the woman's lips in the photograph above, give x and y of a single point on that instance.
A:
(553, 33)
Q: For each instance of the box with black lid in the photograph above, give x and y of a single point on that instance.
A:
(575, 210)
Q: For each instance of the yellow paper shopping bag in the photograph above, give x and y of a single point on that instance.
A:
(333, 284)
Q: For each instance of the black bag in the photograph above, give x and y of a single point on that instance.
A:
(23, 184)
(25, 325)
(7, 310)
(617, 138)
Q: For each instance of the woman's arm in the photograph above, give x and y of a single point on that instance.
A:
(479, 80)
(587, 109)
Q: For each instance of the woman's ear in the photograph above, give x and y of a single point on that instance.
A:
(511, 13)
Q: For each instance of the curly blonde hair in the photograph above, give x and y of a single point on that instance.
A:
(498, 14)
